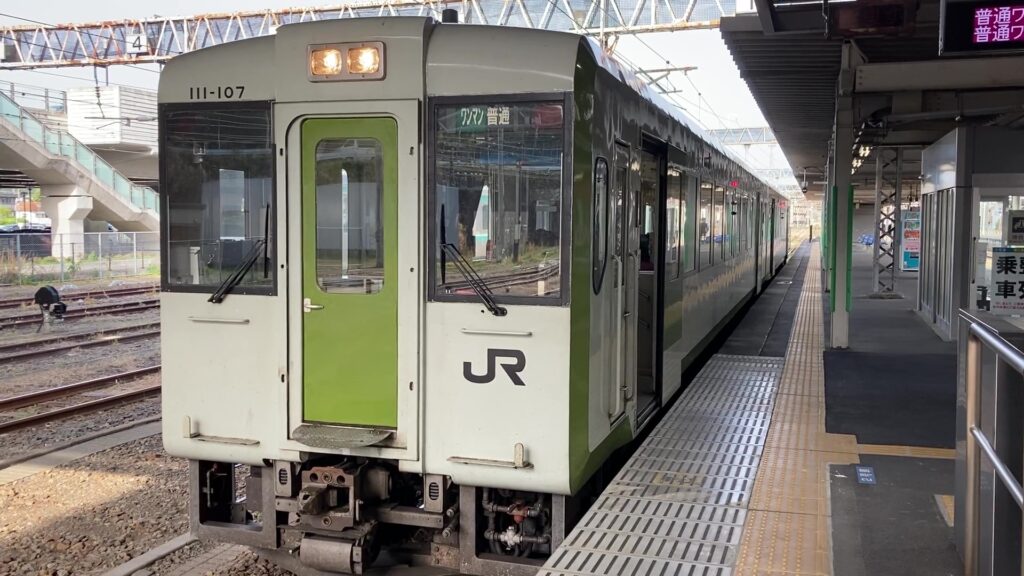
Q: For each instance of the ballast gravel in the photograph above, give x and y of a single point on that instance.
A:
(93, 514)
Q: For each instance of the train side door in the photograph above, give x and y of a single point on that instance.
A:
(771, 238)
(626, 271)
(349, 275)
(755, 232)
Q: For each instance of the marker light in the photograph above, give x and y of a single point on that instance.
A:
(364, 60)
(325, 62)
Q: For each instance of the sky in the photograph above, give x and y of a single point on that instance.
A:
(714, 93)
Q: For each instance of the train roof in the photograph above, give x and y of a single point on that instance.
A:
(628, 77)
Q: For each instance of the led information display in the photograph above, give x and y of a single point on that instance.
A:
(999, 24)
(982, 27)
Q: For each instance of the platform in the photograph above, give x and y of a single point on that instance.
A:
(742, 477)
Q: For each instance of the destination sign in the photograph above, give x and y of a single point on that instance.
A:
(971, 26)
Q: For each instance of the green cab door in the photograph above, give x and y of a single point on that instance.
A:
(349, 272)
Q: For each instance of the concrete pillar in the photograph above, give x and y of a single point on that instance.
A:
(842, 222)
(67, 212)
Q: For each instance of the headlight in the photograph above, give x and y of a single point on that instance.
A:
(365, 60)
(347, 61)
(325, 62)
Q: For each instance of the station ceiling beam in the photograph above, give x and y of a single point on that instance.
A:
(158, 39)
(949, 74)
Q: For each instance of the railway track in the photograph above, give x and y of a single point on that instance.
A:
(68, 390)
(498, 282)
(111, 293)
(45, 346)
(102, 309)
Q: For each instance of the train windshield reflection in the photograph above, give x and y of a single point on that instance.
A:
(498, 192)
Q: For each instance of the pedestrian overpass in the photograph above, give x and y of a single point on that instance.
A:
(74, 181)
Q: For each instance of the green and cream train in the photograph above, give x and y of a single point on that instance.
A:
(421, 280)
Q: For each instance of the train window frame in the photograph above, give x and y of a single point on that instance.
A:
(731, 210)
(718, 203)
(271, 266)
(706, 193)
(345, 197)
(674, 179)
(691, 241)
(565, 99)
(599, 261)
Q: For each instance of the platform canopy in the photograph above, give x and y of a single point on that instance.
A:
(797, 57)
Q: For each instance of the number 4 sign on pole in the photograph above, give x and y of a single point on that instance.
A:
(136, 45)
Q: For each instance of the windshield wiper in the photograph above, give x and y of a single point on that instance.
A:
(238, 275)
(473, 279)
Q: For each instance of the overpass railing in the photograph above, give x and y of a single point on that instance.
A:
(63, 144)
(990, 435)
(47, 99)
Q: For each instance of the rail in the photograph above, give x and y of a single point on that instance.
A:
(1001, 453)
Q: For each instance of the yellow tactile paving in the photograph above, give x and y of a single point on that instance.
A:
(945, 503)
(788, 528)
(912, 451)
(795, 481)
(784, 543)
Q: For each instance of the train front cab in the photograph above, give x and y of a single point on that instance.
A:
(317, 184)
(293, 223)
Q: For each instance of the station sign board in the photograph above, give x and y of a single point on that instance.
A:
(1007, 291)
(987, 27)
(910, 240)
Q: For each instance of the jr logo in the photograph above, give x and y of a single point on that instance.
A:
(511, 368)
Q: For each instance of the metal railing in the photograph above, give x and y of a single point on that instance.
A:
(33, 258)
(997, 399)
(63, 144)
(48, 99)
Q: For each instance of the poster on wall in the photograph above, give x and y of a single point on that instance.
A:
(1015, 220)
(1007, 290)
(910, 242)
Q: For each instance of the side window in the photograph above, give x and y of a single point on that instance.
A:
(218, 197)
(689, 212)
(744, 213)
(673, 223)
(705, 236)
(349, 224)
(622, 219)
(720, 232)
(650, 184)
(746, 225)
(732, 217)
(599, 245)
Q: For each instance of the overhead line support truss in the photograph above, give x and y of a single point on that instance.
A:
(157, 39)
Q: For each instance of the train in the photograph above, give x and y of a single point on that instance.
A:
(422, 280)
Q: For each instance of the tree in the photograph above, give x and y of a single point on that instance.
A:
(7, 216)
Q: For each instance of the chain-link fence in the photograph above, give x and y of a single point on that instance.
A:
(28, 258)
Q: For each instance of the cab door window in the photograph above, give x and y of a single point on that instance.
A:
(349, 225)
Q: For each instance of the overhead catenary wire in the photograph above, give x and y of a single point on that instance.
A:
(58, 75)
(636, 68)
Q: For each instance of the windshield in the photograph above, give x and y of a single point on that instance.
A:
(218, 179)
(498, 196)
